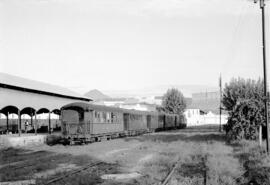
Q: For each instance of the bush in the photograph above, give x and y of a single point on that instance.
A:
(244, 101)
(244, 121)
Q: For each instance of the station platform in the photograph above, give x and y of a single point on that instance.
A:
(14, 140)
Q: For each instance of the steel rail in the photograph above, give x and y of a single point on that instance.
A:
(73, 172)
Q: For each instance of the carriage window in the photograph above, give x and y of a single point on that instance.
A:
(108, 117)
(105, 117)
(112, 117)
(81, 116)
(103, 120)
(98, 117)
(136, 117)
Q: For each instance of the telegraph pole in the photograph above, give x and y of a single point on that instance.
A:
(262, 6)
(220, 99)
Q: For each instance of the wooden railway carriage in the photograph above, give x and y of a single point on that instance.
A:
(178, 121)
(169, 121)
(152, 122)
(182, 122)
(135, 120)
(161, 121)
(140, 121)
(88, 122)
(85, 122)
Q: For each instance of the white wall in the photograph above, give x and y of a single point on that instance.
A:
(194, 118)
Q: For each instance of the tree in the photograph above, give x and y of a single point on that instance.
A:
(244, 120)
(243, 99)
(241, 89)
(173, 102)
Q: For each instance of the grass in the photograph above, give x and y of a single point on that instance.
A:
(90, 176)
(40, 162)
(201, 156)
(255, 162)
(11, 155)
(209, 156)
(33, 163)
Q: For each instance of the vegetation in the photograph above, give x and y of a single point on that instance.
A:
(255, 162)
(202, 154)
(173, 102)
(20, 164)
(243, 99)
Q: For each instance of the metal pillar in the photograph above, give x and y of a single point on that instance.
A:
(7, 122)
(19, 123)
(35, 123)
(31, 121)
(50, 123)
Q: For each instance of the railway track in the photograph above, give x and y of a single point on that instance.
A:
(169, 175)
(72, 172)
(175, 165)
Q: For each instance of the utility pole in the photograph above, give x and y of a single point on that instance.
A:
(262, 6)
(220, 99)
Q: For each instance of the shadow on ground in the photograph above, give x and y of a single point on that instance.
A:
(200, 135)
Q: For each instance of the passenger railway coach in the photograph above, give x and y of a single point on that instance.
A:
(84, 122)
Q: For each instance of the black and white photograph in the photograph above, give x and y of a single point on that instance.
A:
(134, 92)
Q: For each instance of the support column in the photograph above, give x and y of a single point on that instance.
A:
(31, 121)
(19, 123)
(50, 123)
(260, 135)
(7, 122)
(35, 123)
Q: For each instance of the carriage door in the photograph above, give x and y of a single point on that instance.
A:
(164, 122)
(88, 116)
(148, 118)
(126, 121)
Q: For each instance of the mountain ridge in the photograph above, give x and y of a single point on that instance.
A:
(96, 95)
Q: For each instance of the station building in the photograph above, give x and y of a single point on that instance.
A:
(21, 96)
(204, 110)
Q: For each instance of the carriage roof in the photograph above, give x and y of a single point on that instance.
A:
(90, 106)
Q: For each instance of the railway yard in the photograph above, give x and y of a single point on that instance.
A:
(188, 156)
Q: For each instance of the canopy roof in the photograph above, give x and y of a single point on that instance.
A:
(23, 84)
(28, 96)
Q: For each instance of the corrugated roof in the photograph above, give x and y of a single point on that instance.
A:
(27, 84)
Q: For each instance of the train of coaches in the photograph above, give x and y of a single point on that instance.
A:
(84, 122)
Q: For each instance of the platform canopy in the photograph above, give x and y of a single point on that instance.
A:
(29, 96)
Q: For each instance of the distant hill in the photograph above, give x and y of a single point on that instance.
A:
(96, 95)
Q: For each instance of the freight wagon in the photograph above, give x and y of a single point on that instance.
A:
(85, 122)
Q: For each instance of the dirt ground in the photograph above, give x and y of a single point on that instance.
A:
(200, 154)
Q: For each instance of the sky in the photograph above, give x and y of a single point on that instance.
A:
(115, 45)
